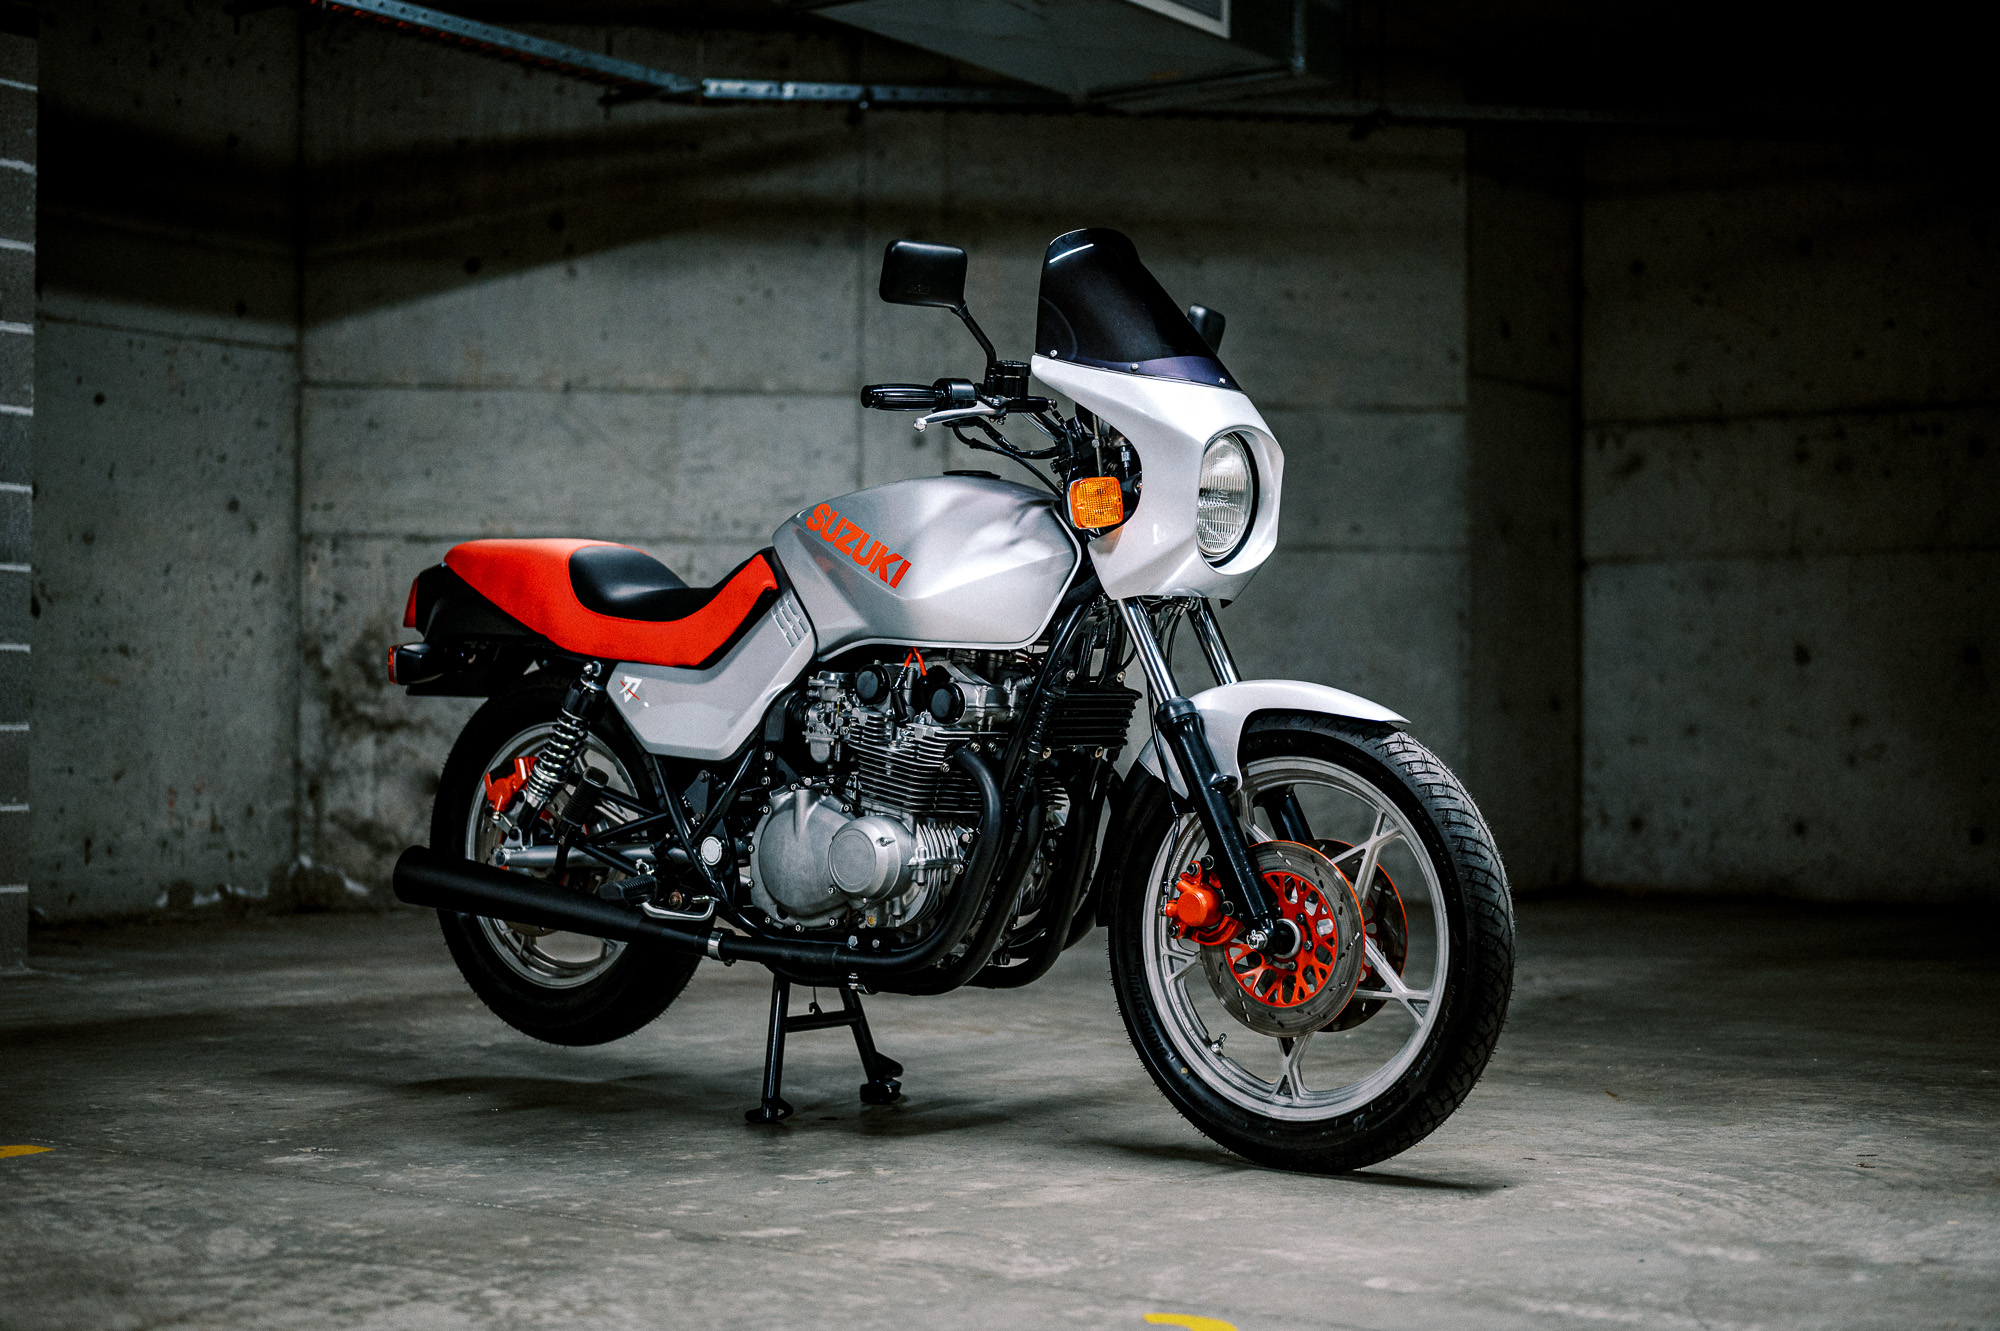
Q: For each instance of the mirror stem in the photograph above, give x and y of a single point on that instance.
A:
(965, 315)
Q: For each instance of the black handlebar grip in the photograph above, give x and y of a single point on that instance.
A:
(899, 397)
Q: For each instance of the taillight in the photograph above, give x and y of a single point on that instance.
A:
(416, 663)
(1096, 501)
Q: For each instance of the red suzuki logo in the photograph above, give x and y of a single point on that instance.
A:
(858, 545)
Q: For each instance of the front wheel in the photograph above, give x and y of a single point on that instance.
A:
(1304, 1066)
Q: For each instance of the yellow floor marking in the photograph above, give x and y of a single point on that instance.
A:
(6, 1151)
(1190, 1321)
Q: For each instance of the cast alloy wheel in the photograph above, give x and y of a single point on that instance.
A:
(1278, 1072)
(546, 957)
(1271, 1074)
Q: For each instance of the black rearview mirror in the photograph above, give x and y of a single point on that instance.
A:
(914, 273)
(1209, 323)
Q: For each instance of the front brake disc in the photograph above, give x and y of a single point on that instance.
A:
(1292, 996)
(1384, 920)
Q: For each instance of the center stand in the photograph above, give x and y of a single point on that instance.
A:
(881, 1088)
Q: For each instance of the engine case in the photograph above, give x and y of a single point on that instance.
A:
(789, 874)
(815, 864)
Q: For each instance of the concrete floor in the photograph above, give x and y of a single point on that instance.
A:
(1699, 1117)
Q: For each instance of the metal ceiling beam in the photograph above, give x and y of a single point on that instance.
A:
(626, 81)
(519, 47)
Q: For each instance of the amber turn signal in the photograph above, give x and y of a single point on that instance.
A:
(1095, 501)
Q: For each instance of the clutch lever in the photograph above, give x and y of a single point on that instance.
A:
(948, 415)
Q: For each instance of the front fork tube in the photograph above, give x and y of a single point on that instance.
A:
(1209, 790)
(1288, 820)
(1281, 805)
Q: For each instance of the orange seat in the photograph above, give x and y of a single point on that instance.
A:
(543, 584)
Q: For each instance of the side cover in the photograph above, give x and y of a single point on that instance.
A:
(708, 714)
(939, 561)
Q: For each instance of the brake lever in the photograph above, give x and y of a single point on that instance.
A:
(950, 414)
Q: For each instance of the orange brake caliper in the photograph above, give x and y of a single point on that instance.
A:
(1197, 913)
(501, 793)
(1196, 908)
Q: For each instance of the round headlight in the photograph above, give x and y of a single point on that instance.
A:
(1228, 499)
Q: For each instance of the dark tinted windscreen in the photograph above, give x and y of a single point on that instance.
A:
(1100, 307)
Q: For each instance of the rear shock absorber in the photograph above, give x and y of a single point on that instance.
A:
(553, 764)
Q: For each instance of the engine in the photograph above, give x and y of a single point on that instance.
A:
(876, 834)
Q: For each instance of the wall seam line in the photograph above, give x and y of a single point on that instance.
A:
(133, 330)
(1789, 556)
(1789, 414)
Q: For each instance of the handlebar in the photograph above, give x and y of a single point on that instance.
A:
(902, 397)
(959, 395)
(921, 397)
(959, 403)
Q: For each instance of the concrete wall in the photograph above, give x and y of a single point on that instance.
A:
(1523, 236)
(1652, 483)
(165, 462)
(1792, 501)
(527, 317)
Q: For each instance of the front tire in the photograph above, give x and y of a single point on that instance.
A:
(1386, 1070)
(564, 988)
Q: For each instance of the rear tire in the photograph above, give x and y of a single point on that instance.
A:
(1388, 1071)
(570, 999)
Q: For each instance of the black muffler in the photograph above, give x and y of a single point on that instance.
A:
(426, 878)
(447, 882)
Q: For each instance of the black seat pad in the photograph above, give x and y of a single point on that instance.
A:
(630, 584)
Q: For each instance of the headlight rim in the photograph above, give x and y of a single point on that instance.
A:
(1240, 439)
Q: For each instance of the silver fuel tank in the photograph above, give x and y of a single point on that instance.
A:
(939, 561)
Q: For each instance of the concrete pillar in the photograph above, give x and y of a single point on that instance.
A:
(17, 396)
(166, 483)
(1523, 445)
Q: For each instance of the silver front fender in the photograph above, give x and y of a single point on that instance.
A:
(1227, 708)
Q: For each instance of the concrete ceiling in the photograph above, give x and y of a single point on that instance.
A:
(1919, 63)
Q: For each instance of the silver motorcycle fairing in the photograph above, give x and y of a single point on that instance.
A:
(937, 561)
(1227, 708)
(1169, 423)
(708, 714)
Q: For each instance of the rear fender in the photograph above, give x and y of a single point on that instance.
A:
(1227, 708)
(474, 648)
(445, 608)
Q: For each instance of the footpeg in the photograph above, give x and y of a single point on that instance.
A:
(631, 891)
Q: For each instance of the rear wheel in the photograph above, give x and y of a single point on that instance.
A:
(561, 987)
(1314, 1069)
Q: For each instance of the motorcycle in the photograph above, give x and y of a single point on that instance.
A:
(881, 756)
